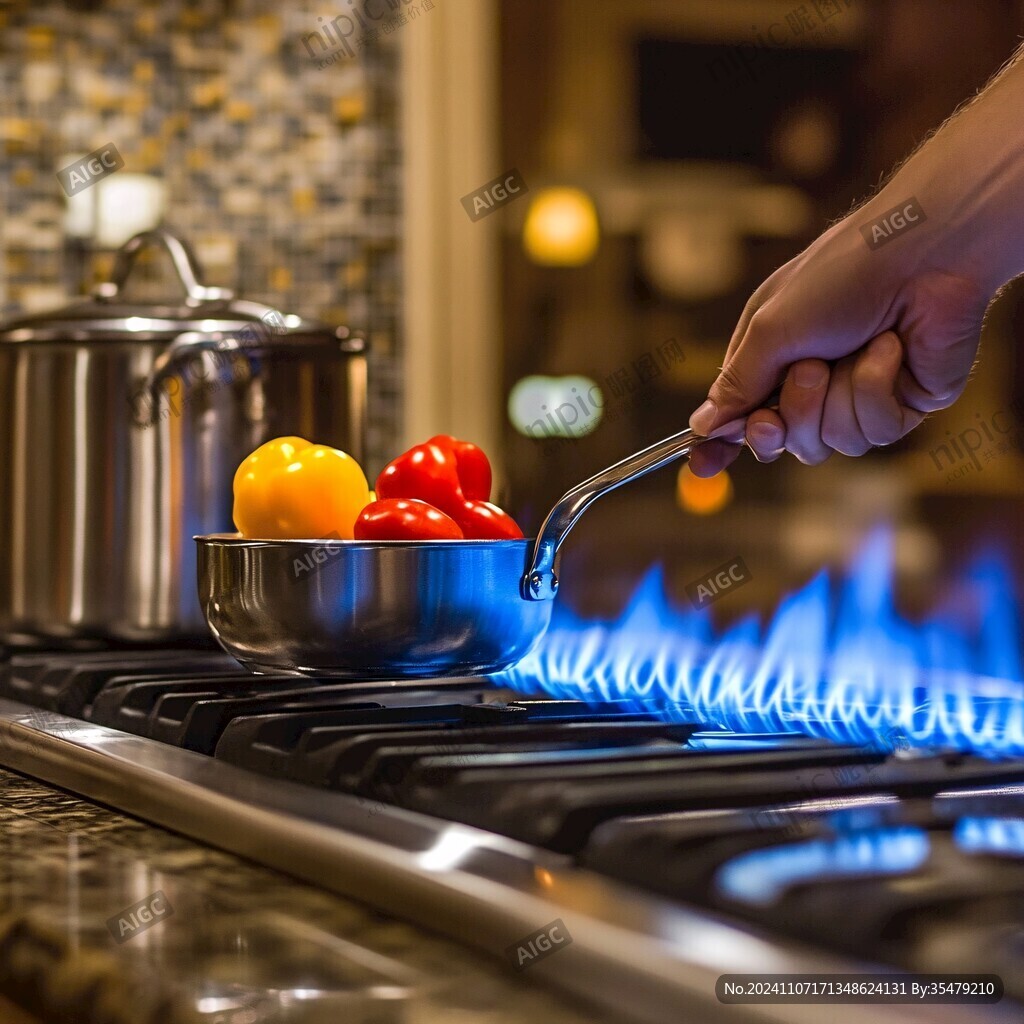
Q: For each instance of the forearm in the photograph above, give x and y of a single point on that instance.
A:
(969, 180)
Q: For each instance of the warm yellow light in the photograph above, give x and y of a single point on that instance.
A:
(703, 497)
(561, 228)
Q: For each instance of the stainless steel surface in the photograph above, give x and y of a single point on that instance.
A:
(111, 315)
(400, 609)
(371, 610)
(184, 261)
(100, 503)
(649, 959)
(540, 581)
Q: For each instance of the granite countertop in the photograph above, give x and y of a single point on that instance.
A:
(227, 941)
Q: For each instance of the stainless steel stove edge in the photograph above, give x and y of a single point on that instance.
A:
(648, 959)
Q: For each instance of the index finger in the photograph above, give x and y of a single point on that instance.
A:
(749, 375)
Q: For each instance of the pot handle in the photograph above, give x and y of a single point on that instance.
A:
(186, 266)
(539, 582)
(187, 345)
(165, 366)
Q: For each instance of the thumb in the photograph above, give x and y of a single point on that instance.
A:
(941, 329)
(936, 374)
(749, 376)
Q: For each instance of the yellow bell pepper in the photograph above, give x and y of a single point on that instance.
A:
(291, 489)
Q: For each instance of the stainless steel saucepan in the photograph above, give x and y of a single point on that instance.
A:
(400, 609)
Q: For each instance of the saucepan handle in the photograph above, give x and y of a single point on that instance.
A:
(539, 582)
(251, 339)
(145, 400)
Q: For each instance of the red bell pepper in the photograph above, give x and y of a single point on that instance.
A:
(404, 519)
(480, 520)
(446, 474)
(426, 471)
(474, 468)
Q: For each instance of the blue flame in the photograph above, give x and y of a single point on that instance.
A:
(839, 665)
(1003, 836)
(762, 876)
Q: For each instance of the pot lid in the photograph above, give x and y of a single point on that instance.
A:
(108, 316)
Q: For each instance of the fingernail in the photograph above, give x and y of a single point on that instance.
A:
(809, 375)
(703, 419)
(888, 345)
(767, 434)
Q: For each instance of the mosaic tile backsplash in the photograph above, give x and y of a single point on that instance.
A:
(280, 166)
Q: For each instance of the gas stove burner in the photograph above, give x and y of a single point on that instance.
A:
(506, 808)
(687, 804)
(840, 664)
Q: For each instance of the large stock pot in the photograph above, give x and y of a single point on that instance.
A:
(120, 429)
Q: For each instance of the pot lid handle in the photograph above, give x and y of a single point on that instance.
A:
(185, 265)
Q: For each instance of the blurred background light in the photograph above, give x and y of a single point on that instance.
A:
(703, 497)
(126, 205)
(561, 228)
(807, 139)
(541, 407)
(692, 257)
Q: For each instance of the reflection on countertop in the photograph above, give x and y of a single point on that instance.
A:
(228, 941)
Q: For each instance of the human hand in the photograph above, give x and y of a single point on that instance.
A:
(863, 341)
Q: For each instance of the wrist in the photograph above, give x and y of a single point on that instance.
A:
(968, 231)
(969, 182)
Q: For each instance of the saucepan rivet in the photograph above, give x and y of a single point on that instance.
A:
(554, 583)
(536, 582)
